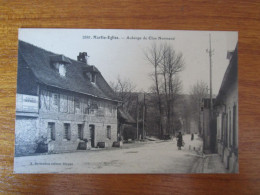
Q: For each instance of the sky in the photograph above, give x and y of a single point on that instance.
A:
(121, 52)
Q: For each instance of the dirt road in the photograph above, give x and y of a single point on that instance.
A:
(146, 157)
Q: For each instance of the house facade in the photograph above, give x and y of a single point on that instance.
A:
(62, 104)
(227, 115)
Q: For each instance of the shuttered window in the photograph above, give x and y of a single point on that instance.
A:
(55, 99)
(51, 127)
(80, 131)
(109, 132)
(67, 132)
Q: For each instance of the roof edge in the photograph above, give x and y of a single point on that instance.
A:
(79, 92)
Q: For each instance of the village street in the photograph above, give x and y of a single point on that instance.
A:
(143, 157)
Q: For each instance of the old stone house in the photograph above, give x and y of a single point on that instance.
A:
(61, 103)
(227, 115)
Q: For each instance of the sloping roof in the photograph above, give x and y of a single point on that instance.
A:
(126, 116)
(90, 69)
(38, 60)
(60, 58)
(230, 76)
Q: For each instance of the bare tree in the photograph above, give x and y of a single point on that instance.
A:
(172, 63)
(197, 92)
(124, 89)
(154, 57)
(167, 63)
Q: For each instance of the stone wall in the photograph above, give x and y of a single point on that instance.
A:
(75, 109)
(26, 135)
(57, 108)
(101, 134)
(62, 145)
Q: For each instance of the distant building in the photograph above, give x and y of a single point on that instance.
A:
(61, 103)
(126, 125)
(227, 115)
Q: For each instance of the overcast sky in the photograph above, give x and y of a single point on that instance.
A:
(125, 57)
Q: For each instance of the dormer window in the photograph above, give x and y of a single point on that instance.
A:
(60, 68)
(91, 73)
(59, 63)
(93, 78)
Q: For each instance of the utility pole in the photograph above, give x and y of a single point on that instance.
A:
(210, 51)
(143, 115)
(200, 131)
(209, 131)
(137, 118)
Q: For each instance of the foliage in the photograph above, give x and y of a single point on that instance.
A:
(124, 89)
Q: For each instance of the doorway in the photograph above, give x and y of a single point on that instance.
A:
(92, 135)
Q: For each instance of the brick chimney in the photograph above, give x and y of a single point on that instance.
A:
(83, 57)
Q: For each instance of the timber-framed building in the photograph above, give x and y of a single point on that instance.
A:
(61, 103)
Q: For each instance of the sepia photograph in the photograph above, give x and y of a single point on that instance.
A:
(110, 101)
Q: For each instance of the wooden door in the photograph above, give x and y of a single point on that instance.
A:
(92, 135)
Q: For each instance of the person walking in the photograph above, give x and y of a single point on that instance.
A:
(179, 141)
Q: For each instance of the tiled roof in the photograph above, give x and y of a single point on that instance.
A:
(39, 61)
(126, 116)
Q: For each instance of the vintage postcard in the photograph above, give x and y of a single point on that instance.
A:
(126, 101)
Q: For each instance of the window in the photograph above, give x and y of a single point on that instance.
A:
(226, 131)
(51, 127)
(109, 132)
(70, 104)
(93, 78)
(63, 103)
(60, 68)
(80, 131)
(45, 100)
(67, 133)
(77, 103)
(55, 99)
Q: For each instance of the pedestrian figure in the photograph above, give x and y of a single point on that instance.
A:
(192, 137)
(179, 141)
